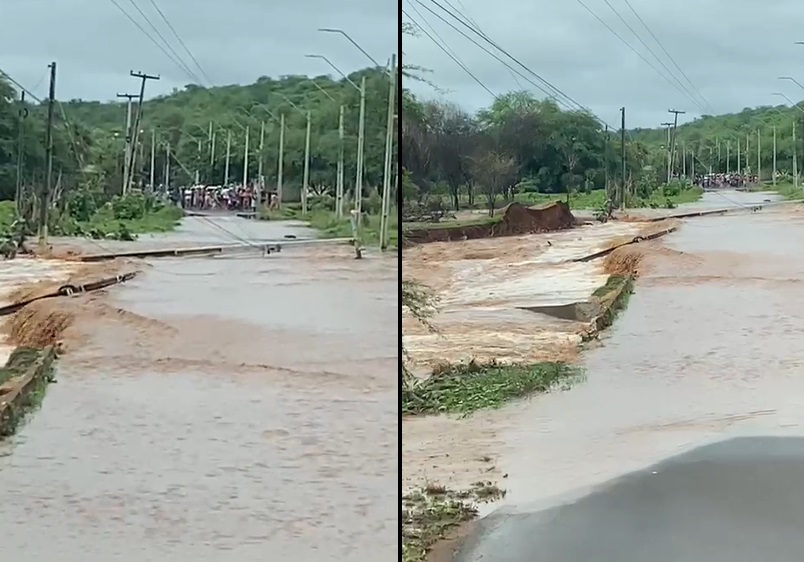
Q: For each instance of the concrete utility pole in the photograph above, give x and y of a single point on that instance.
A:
(23, 113)
(198, 163)
(795, 159)
(280, 165)
(739, 160)
(44, 199)
(622, 158)
(245, 161)
(728, 157)
(228, 158)
(759, 157)
(306, 181)
(212, 156)
(675, 113)
(137, 122)
(747, 168)
(667, 126)
(128, 147)
(259, 162)
(774, 156)
(684, 159)
(389, 143)
(167, 167)
(153, 160)
(339, 178)
(210, 137)
(361, 133)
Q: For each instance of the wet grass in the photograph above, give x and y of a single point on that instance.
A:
(787, 190)
(19, 363)
(465, 388)
(328, 226)
(619, 288)
(431, 513)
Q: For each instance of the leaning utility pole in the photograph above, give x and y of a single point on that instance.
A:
(667, 126)
(622, 158)
(23, 113)
(675, 113)
(138, 121)
(44, 199)
(128, 149)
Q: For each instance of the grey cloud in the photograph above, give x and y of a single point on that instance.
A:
(235, 41)
(732, 51)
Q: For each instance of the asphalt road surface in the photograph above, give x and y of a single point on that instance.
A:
(740, 500)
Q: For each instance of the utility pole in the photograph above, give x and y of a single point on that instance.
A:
(306, 181)
(795, 159)
(137, 122)
(259, 163)
(719, 155)
(667, 126)
(739, 160)
(245, 161)
(280, 165)
(622, 157)
(153, 159)
(128, 148)
(167, 167)
(684, 159)
(339, 179)
(675, 113)
(389, 143)
(212, 156)
(361, 129)
(198, 163)
(23, 113)
(774, 156)
(44, 199)
(728, 157)
(210, 137)
(228, 157)
(759, 158)
(606, 160)
(747, 152)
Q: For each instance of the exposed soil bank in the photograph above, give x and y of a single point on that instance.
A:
(516, 219)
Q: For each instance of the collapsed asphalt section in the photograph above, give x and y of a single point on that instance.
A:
(739, 500)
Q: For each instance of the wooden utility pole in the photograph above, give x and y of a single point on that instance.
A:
(44, 199)
(23, 113)
(675, 113)
(622, 158)
(128, 136)
(137, 122)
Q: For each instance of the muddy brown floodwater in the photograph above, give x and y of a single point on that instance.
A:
(238, 409)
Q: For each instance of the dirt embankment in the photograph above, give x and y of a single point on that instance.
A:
(516, 219)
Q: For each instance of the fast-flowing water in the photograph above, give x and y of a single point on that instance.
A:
(242, 409)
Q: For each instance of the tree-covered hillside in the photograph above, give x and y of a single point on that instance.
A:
(89, 137)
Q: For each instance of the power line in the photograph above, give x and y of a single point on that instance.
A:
(178, 38)
(20, 86)
(654, 55)
(460, 64)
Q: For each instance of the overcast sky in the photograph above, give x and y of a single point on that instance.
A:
(731, 50)
(235, 41)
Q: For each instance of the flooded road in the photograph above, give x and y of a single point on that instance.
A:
(709, 349)
(238, 408)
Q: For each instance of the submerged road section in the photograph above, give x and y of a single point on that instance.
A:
(708, 354)
(237, 409)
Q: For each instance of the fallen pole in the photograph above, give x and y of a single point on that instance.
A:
(69, 290)
(263, 247)
(635, 240)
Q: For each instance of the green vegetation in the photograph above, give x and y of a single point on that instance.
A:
(619, 288)
(788, 190)
(89, 137)
(431, 513)
(465, 388)
(21, 361)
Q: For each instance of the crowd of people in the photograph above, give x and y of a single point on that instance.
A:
(724, 180)
(227, 198)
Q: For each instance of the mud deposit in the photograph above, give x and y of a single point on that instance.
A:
(238, 409)
(516, 219)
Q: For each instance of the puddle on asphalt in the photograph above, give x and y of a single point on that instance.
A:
(241, 409)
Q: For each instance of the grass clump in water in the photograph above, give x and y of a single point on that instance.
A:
(19, 364)
(465, 388)
(619, 288)
(429, 514)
